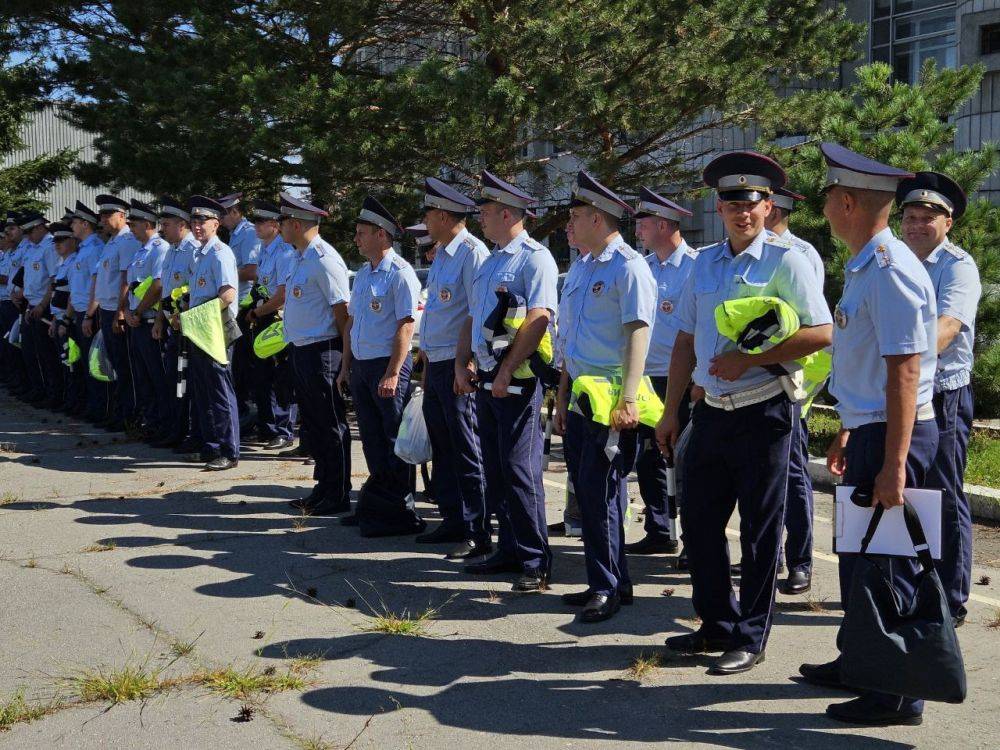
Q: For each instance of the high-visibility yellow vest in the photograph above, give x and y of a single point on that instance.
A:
(176, 297)
(142, 288)
(499, 330)
(98, 363)
(270, 341)
(72, 352)
(595, 396)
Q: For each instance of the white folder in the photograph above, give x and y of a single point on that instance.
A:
(891, 538)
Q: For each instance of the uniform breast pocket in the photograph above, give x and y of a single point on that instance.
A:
(706, 295)
(445, 285)
(504, 281)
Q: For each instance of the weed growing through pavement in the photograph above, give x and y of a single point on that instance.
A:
(994, 622)
(131, 682)
(100, 547)
(386, 620)
(6, 447)
(16, 710)
(8, 497)
(644, 665)
(246, 713)
(31, 563)
(182, 648)
(246, 683)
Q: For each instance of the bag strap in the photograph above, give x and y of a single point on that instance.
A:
(862, 498)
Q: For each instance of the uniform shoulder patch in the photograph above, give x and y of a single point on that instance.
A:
(532, 245)
(882, 256)
(467, 245)
(776, 241)
(627, 252)
(955, 250)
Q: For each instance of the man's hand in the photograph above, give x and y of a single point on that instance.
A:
(251, 316)
(835, 460)
(560, 417)
(697, 393)
(729, 365)
(158, 329)
(668, 430)
(343, 378)
(132, 319)
(52, 330)
(625, 416)
(501, 383)
(88, 327)
(388, 385)
(889, 485)
(465, 380)
(37, 311)
(175, 321)
(118, 326)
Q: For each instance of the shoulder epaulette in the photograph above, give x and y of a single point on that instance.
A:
(954, 249)
(773, 239)
(882, 256)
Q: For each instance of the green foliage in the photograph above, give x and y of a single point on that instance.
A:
(21, 84)
(349, 98)
(912, 127)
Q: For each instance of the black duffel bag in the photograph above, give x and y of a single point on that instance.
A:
(892, 646)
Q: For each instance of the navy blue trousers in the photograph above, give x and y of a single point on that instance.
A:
(953, 412)
(865, 453)
(49, 360)
(799, 508)
(98, 393)
(651, 469)
(459, 485)
(151, 387)
(214, 405)
(602, 493)
(273, 395)
(31, 330)
(75, 375)
(315, 368)
(118, 352)
(510, 434)
(10, 355)
(736, 457)
(180, 422)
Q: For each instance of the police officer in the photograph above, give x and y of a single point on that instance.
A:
(69, 382)
(670, 258)
(931, 203)
(611, 308)
(213, 281)
(426, 246)
(246, 247)
(40, 262)
(84, 307)
(315, 318)
(144, 276)
(459, 486)
(111, 294)
(10, 263)
(743, 427)
(377, 363)
(510, 432)
(15, 296)
(180, 431)
(272, 376)
(799, 507)
(884, 359)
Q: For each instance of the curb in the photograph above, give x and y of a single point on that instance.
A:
(985, 501)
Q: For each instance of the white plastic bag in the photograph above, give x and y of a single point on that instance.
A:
(413, 444)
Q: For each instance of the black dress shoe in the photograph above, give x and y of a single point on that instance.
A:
(866, 712)
(651, 545)
(351, 520)
(577, 598)
(221, 464)
(557, 529)
(600, 607)
(327, 508)
(798, 582)
(958, 621)
(187, 446)
(532, 582)
(296, 452)
(441, 535)
(735, 661)
(312, 498)
(681, 563)
(468, 550)
(278, 443)
(696, 643)
(825, 675)
(491, 565)
(625, 594)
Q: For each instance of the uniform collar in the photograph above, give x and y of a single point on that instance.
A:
(515, 243)
(676, 257)
(452, 247)
(385, 264)
(120, 232)
(208, 245)
(610, 248)
(754, 249)
(273, 243)
(152, 241)
(936, 252)
(868, 251)
(242, 226)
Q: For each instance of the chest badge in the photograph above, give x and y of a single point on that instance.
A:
(104, 264)
(840, 317)
(597, 289)
(375, 305)
(201, 281)
(177, 275)
(264, 280)
(35, 266)
(666, 306)
(444, 295)
(296, 291)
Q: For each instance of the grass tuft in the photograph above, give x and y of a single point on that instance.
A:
(181, 648)
(131, 682)
(402, 623)
(7, 447)
(994, 622)
(644, 665)
(7, 497)
(100, 547)
(15, 710)
(245, 684)
(31, 563)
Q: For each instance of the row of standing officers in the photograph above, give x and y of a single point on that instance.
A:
(901, 339)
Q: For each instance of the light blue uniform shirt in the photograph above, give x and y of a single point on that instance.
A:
(6, 260)
(768, 267)
(565, 320)
(213, 267)
(40, 264)
(670, 276)
(145, 263)
(61, 281)
(612, 290)
(449, 290)
(382, 297)
(524, 268)
(16, 261)
(81, 272)
(114, 259)
(887, 308)
(957, 290)
(276, 262)
(177, 265)
(316, 281)
(812, 255)
(246, 247)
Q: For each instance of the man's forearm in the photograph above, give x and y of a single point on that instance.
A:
(902, 380)
(274, 303)
(151, 298)
(804, 341)
(947, 329)
(682, 361)
(636, 346)
(247, 273)
(527, 338)
(347, 356)
(463, 349)
(400, 347)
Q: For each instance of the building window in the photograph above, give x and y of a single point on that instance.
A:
(989, 39)
(906, 33)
